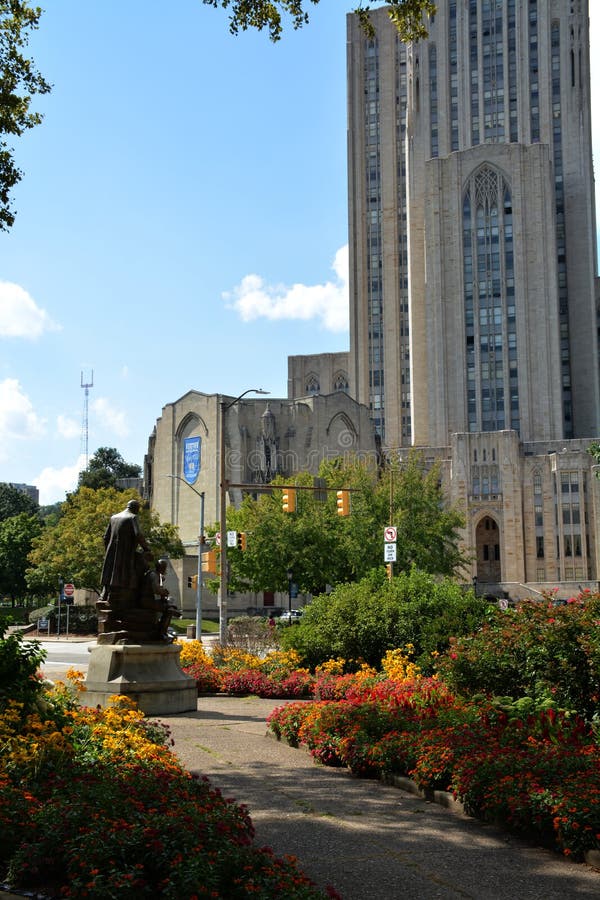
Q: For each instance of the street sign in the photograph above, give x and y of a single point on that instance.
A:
(390, 534)
(389, 552)
(232, 538)
(69, 590)
(218, 538)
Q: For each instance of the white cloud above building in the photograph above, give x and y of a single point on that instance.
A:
(53, 484)
(325, 303)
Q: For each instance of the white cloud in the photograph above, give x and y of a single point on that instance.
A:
(254, 299)
(18, 418)
(111, 418)
(20, 316)
(53, 484)
(68, 428)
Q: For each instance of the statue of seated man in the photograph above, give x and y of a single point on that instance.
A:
(155, 595)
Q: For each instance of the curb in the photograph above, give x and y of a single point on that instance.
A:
(442, 798)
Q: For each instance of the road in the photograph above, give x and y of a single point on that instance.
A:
(65, 654)
(62, 654)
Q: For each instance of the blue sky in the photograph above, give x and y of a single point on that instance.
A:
(181, 223)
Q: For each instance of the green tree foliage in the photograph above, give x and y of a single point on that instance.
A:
(73, 549)
(19, 82)
(105, 468)
(16, 539)
(19, 661)
(409, 16)
(322, 548)
(594, 450)
(13, 502)
(362, 621)
(51, 514)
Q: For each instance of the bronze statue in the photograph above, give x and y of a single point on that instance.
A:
(134, 606)
(121, 539)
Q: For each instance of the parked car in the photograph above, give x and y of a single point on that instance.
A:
(295, 615)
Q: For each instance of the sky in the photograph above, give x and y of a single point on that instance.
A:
(181, 223)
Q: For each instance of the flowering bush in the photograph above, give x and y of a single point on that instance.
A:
(94, 804)
(547, 652)
(538, 773)
(234, 671)
(397, 665)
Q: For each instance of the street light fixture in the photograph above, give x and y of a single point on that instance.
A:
(225, 405)
(199, 569)
(290, 578)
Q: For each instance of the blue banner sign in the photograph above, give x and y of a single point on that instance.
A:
(192, 447)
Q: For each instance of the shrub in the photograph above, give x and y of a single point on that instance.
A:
(365, 620)
(92, 803)
(19, 664)
(539, 650)
(538, 774)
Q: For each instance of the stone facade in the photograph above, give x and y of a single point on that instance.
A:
(473, 296)
(473, 293)
(319, 373)
(263, 438)
(473, 288)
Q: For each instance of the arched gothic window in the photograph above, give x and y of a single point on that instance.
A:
(489, 301)
(312, 384)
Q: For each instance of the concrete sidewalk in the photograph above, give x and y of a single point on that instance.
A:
(368, 840)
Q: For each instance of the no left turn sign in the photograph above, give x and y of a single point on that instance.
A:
(389, 534)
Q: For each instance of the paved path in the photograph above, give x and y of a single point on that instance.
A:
(370, 841)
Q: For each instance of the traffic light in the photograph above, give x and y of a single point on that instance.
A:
(209, 562)
(343, 503)
(193, 581)
(242, 540)
(390, 570)
(288, 500)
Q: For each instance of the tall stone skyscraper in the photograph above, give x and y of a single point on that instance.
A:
(472, 224)
(473, 288)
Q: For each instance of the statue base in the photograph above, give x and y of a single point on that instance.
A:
(149, 674)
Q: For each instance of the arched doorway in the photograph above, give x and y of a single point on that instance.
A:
(487, 542)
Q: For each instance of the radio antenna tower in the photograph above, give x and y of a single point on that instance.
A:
(84, 429)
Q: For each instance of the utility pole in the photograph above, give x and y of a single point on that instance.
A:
(85, 425)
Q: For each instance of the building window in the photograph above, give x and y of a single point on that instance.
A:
(489, 303)
(340, 382)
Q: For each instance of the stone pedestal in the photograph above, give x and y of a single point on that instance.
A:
(149, 674)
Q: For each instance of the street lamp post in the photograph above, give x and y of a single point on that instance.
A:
(290, 577)
(224, 406)
(200, 545)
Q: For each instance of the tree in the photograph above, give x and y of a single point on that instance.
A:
(13, 502)
(407, 15)
(19, 82)
(16, 538)
(51, 514)
(594, 450)
(73, 549)
(105, 468)
(320, 547)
